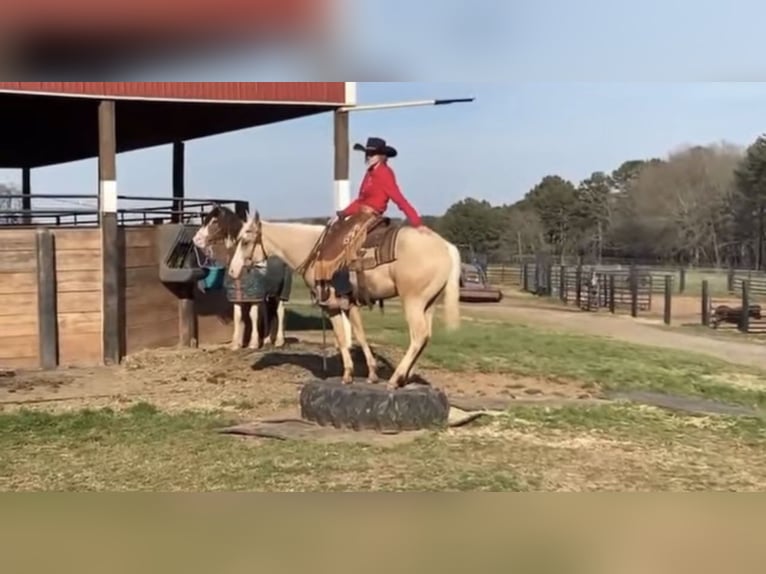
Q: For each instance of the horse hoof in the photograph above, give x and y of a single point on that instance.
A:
(373, 379)
(279, 343)
(347, 378)
(235, 347)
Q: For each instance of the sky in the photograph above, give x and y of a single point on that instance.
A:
(586, 86)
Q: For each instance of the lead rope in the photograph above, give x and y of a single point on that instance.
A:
(324, 344)
(301, 269)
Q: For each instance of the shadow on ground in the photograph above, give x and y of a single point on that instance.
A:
(309, 358)
(295, 321)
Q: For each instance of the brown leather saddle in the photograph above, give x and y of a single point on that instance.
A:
(360, 243)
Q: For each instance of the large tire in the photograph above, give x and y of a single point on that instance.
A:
(363, 406)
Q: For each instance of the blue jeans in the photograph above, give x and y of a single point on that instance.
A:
(341, 281)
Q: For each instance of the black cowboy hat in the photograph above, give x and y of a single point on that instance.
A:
(376, 146)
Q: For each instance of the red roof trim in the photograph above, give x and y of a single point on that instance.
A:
(319, 93)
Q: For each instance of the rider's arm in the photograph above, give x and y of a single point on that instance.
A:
(350, 209)
(388, 183)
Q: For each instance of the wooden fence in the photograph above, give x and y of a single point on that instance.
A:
(51, 298)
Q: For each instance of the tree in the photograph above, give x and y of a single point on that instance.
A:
(554, 200)
(628, 172)
(593, 212)
(750, 177)
(679, 208)
(472, 222)
(523, 231)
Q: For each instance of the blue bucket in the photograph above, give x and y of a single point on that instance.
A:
(214, 278)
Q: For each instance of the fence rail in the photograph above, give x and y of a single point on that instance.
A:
(159, 210)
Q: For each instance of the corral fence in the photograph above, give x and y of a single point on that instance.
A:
(633, 288)
(748, 288)
(591, 288)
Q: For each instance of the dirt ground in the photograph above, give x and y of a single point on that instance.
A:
(254, 383)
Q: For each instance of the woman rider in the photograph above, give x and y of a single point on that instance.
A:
(377, 188)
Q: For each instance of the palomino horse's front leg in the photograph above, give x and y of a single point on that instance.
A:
(255, 337)
(355, 317)
(338, 322)
(239, 328)
(419, 336)
(280, 339)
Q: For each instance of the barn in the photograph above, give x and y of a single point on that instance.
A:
(81, 287)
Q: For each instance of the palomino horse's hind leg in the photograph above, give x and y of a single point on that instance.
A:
(430, 323)
(416, 319)
(355, 317)
(344, 344)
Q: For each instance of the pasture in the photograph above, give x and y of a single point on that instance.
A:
(151, 423)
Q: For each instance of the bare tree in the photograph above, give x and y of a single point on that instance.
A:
(683, 205)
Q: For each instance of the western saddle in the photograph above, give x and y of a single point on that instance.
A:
(359, 243)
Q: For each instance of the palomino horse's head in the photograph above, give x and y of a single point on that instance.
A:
(250, 250)
(220, 224)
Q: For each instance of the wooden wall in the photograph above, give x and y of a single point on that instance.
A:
(78, 295)
(18, 299)
(214, 317)
(151, 309)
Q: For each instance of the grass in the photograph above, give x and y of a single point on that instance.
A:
(611, 447)
(513, 349)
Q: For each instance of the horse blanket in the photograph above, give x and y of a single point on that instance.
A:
(274, 281)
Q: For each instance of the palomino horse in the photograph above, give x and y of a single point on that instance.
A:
(425, 267)
(268, 282)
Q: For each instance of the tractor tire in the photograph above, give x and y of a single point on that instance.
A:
(364, 406)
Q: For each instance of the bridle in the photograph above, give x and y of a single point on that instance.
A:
(248, 259)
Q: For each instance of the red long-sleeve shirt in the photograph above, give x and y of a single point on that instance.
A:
(377, 188)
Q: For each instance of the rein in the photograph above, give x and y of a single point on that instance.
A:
(301, 269)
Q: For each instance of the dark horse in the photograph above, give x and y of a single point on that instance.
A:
(264, 287)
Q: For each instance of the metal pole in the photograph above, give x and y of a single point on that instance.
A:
(412, 104)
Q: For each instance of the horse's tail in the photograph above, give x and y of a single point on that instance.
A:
(452, 290)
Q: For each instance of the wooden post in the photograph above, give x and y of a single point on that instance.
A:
(111, 258)
(611, 293)
(179, 187)
(578, 285)
(744, 317)
(47, 311)
(525, 277)
(633, 283)
(705, 303)
(668, 298)
(563, 283)
(682, 280)
(26, 193)
(342, 195)
(730, 280)
(549, 280)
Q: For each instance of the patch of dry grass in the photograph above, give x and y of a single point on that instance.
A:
(598, 448)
